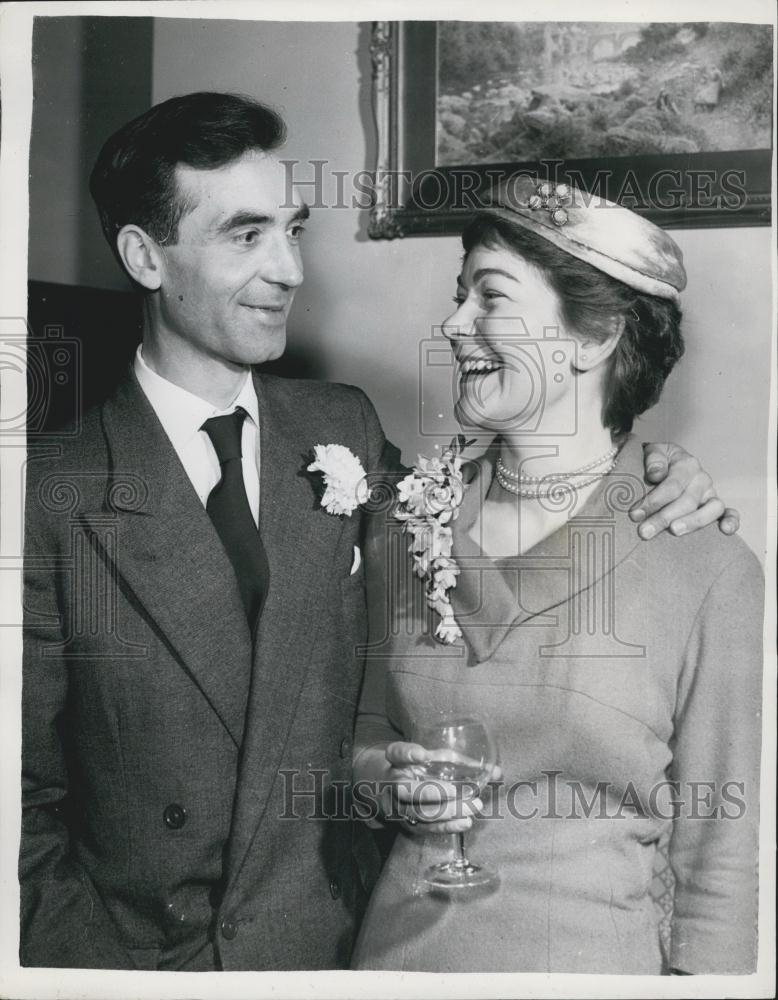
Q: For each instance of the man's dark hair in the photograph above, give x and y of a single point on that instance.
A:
(133, 180)
(589, 300)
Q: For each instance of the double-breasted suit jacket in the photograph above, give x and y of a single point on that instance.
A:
(182, 787)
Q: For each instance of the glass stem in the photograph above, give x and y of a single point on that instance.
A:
(459, 850)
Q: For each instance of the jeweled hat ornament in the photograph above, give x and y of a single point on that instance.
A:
(609, 237)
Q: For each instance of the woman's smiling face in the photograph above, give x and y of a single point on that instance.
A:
(504, 332)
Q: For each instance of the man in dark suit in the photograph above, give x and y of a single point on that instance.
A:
(192, 612)
(156, 827)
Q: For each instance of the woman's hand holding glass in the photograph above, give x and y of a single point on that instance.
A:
(431, 803)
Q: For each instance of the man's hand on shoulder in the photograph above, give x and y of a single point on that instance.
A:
(684, 498)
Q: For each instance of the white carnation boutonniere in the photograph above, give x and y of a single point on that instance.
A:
(345, 482)
(429, 500)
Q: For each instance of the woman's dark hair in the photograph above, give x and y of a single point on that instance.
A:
(648, 348)
(133, 180)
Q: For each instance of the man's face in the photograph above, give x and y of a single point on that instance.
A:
(229, 280)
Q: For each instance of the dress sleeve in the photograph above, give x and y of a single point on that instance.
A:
(715, 839)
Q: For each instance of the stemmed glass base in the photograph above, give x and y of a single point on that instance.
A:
(459, 874)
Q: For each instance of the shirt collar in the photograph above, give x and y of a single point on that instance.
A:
(181, 412)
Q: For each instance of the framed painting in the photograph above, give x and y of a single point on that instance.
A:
(672, 120)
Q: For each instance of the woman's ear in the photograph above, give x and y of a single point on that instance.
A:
(592, 353)
(141, 256)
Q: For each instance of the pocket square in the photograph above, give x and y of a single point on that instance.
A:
(357, 560)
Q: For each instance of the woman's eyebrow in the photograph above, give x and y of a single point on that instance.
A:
(484, 271)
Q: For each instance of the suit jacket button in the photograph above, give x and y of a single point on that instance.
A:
(345, 748)
(229, 929)
(174, 816)
(335, 889)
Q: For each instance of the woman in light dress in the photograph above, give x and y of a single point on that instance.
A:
(621, 679)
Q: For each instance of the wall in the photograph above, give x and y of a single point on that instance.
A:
(90, 75)
(54, 150)
(367, 306)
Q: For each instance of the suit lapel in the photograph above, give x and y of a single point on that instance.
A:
(300, 539)
(170, 556)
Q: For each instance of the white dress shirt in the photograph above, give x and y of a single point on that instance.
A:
(182, 414)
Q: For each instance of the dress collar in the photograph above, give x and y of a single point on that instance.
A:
(492, 597)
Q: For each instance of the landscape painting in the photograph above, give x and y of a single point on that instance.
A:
(673, 120)
(528, 91)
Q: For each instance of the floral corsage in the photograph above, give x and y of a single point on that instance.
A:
(345, 483)
(429, 500)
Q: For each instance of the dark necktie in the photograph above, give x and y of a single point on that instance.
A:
(228, 508)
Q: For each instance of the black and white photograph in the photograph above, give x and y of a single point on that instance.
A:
(387, 451)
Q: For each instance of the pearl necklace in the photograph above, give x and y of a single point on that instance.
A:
(529, 486)
(553, 476)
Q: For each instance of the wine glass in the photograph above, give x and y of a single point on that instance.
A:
(461, 751)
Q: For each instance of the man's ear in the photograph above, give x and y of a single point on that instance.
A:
(141, 256)
(591, 353)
